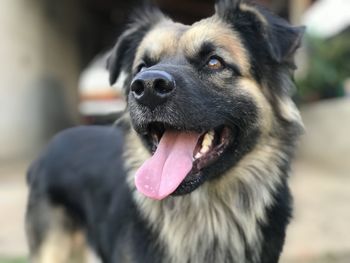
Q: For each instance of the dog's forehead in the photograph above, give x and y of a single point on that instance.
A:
(169, 38)
(162, 40)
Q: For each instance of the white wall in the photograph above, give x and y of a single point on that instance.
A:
(34, 53)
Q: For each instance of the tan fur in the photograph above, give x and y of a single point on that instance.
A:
(161, 41)
(250, 88)
(285, 105)
(289, 110)
(61, 247)
(61, 244)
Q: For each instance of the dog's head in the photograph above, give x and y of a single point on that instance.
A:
(202, 96)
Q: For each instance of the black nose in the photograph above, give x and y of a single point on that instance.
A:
(152, 87)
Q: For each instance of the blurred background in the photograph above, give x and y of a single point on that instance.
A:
(52, 76)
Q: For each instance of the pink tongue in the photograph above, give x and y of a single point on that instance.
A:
(160, 175)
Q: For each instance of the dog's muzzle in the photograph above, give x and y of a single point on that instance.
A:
(152, 88)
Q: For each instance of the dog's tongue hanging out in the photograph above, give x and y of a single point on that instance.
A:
(160, 175)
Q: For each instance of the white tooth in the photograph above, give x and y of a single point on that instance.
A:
(204, 149)
(207, 140)
(206, 143)
(198, 155)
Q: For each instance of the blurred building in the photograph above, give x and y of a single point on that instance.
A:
(99, 103)
(46, 44)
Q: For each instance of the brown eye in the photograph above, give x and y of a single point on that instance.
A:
(214, 63)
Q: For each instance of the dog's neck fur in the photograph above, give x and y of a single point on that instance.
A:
(224, 227)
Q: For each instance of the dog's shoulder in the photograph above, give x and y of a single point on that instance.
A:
(79, 147)
(79, 161)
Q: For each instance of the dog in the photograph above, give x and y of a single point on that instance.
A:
(195, 170)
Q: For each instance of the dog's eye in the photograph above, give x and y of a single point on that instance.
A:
(215, 63)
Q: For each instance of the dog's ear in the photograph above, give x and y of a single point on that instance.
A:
(282, 39)
(226, 8)
(122, 55)
(258, 25)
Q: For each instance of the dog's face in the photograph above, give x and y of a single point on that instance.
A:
(202, 96)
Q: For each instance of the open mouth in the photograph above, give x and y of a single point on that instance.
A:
(210, 145)
(179, 158)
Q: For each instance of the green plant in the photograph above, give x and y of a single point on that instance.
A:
(328, 67)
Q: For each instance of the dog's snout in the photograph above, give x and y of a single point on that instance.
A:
(152, 88)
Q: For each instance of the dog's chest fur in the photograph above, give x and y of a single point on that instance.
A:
(221, 221)
(196, 229)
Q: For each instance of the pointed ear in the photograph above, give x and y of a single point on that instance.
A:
(226, 8)
(123, 53)
(282, 39)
